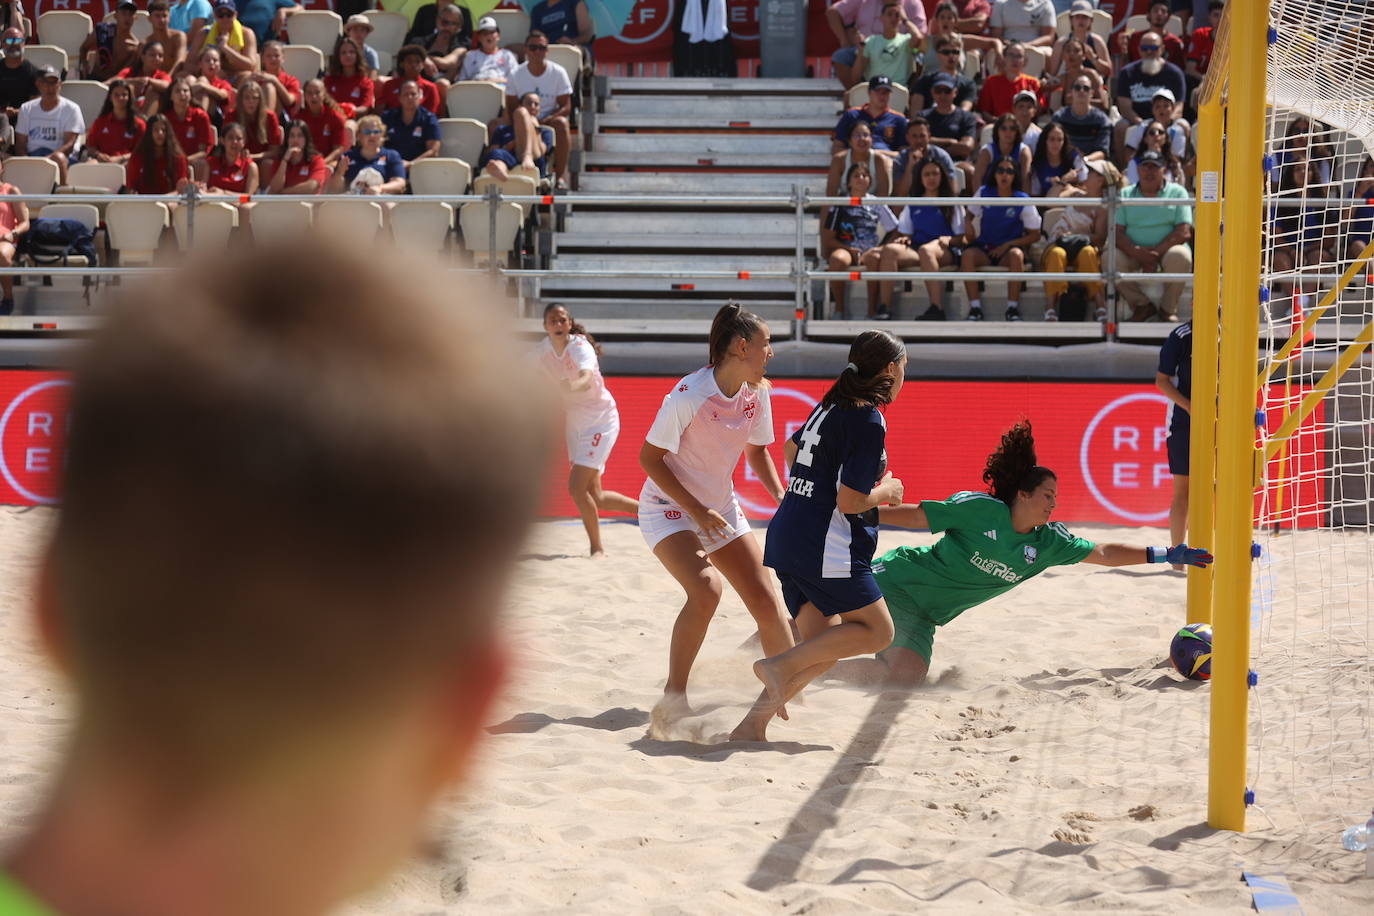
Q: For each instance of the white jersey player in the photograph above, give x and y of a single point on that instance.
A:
(688, 512)
(568, 354)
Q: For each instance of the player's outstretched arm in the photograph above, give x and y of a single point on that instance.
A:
(907, 515)
(1126, 555)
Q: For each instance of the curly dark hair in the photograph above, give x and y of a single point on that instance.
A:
(1012, 468)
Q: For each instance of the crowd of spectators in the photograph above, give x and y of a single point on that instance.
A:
(1002, 103)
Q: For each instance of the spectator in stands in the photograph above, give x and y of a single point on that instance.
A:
(947, 23)
(111, 46)
(1000, 89)
(117, 129)
(210, 89)
(359, 169)
(918, 148)
(1056, 165)
(328, 128)
(952, 129)
(1177, 129)
(189, 16)
(860, 149)
(1007, 143)
(410, 62)
(852, 21)
(347, 80)
(265, 18)
(191, 126)
(445, 46)
(565, 22)
(927, 235)
(949, 52)
(147, 78)
(1158, 15)
(999, 235)
(1073, 66)
(1093, 49)
(489, 61)
(1201, 43)
(12, 17)
(539, 74)
(1139, 82)
(973, 15)
(1079, 237)
(301, 170)
(890, 52)
(14, 222)
(1025, 105)
(1154, 238)
(851, 238)
(261, 129)
(524, 145)
(1310, 141)
(359, 27)
(411, 130)
(229, 169)
(1361, 227)
(1301, 237)
(282, 90)
(1028, 22)
(1088, 127)
(49, 125)
(18, 81)
(174, 43)
(237, 42)
(889, 127)
(427, 19)
(157, 166)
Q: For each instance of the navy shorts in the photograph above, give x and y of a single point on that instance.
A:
(1177, 444)
(830, 596)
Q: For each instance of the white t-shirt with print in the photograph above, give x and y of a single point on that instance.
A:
(47, 130)
(550, 84)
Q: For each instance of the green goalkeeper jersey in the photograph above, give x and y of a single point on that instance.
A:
(979, 557)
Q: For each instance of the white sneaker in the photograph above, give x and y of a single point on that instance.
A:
(1051, 315)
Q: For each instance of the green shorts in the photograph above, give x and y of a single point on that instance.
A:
(914, 630)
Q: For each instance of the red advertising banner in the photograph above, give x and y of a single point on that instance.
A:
(33, 436)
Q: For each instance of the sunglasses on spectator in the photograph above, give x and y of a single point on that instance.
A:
(536, 47)
(14, 41)
(1082, 87)
(1004, 170)
(1149, 47)
(950, 52)
(370, 132)
(223, 13)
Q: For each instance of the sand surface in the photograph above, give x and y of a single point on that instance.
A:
(1055, 763)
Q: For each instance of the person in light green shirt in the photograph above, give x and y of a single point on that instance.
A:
(1151, 239)
(889, 54)
(992, 543)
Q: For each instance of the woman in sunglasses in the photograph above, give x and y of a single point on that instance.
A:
(1007, 143)
(359, 169)
(1155, 137)
(999, 232)
(1072, 66)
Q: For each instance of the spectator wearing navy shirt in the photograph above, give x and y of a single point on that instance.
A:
(526, 143)
(1087, 126)
(906, 172)
(1139, 82)
(369, 156)
(927, 235)
(950, 51)
(1004, 229)
(411, 130)
(952, 129)
(889, 127)
(565, 22)
(1174, 378)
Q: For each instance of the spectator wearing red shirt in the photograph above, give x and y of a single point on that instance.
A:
(191, 126)
(116, 130)
(229, 169)
(999, 90)
(1158, 15)
(302, 170)
(1201, 44)
(14, 222)
(211, 90)
(147, 78)
(283, 90)
(347, 80)
(322, 115)
(260, 124)
(158, 166)
(410, 61)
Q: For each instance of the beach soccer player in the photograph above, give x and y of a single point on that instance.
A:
(295, 485)
(569, 355)
(822, 539)
(1174, 378)
(688, 512)
(992, 543)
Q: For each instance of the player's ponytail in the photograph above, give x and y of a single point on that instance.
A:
(864, 381)
(574, 326)
(730, 322)
(1012, 468)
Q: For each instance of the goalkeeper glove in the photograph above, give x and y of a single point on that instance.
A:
(1179, 555)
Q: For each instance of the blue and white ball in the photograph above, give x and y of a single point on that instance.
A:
(1191, 651)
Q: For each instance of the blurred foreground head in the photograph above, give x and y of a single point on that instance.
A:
(296, 483)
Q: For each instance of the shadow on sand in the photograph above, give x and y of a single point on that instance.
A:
(612, 720)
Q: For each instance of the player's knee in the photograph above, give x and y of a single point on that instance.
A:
(883, 633)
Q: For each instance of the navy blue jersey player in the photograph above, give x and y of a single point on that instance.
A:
(822, 539)
(1174, 377)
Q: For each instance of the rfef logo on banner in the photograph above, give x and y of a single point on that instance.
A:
(33, 440)
(648, 20)
(1124, 459)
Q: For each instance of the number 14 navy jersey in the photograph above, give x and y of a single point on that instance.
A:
(809, 536)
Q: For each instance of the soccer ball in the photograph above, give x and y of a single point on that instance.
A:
(1191, 651)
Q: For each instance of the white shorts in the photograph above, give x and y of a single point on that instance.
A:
(659, 518)
(590, 446)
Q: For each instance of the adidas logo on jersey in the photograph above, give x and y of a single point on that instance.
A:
(990, 535)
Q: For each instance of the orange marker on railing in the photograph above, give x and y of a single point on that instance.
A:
(244, 198)
(855, 201)
(855, 275)
(743, 275)
(548, 200)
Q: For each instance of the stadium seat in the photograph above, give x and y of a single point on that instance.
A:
(440, 176)
(135, 228)
(94, 178)
(475, 99)
(67, 29)
(475, 220)
(462, 138)
(514, 186)
(304, 62)
(422, 226)
(858, 96)
(388, 31)
(973, 65)
(514, 25)
(386, 62)
(31, 174)
(88, 95)
(1036, 59)
(215, 221)
(280, 219)
(1142, 23)
(47, 55)
(318, 28)
(569, 57)
(353, 217)
(143, 26)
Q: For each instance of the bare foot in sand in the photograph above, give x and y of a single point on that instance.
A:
(751, 729)
(598, 554)
(777, 693)
(667, 712)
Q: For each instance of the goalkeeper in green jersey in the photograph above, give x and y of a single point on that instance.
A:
(992, 542)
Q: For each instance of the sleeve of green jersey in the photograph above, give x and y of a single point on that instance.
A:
(962, 510)
(1068, 548)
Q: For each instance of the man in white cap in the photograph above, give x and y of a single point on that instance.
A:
(488, 61)
(1163, 107)
(359, 28)
(49, 125)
